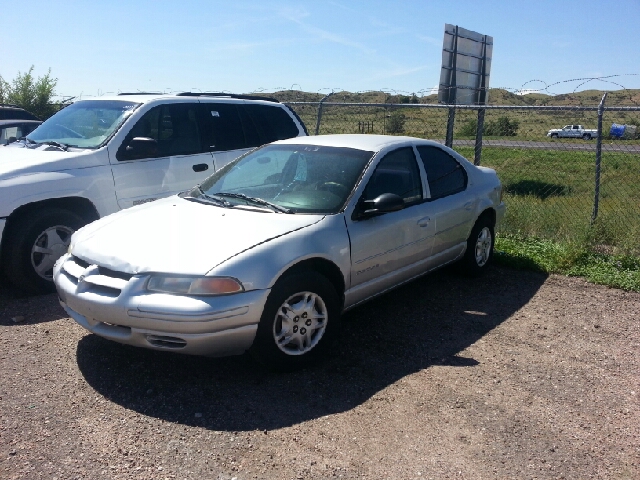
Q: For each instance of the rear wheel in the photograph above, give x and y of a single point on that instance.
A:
(33, 245)
(479, 247)
(300, 319)
(586, 136)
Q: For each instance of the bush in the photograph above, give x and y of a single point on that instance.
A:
(502, 127)
(469, 128)
(395, 123)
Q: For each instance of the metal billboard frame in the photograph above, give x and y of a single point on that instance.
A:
(466, 66)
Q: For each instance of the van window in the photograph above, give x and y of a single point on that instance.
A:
(266, 124)
(222, 127)
(175, 127)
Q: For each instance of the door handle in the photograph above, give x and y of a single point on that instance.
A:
(423, 222)
(468, 205)
(200, 167)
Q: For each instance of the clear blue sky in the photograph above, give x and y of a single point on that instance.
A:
(246, 46)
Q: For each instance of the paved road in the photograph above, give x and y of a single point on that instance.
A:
(565, 145)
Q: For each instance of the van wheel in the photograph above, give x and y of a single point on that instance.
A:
(300, 319)
(586, 136)
(479, 247)
(34, 244)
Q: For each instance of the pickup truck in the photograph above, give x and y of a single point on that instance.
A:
(573, 131)
(98, 156)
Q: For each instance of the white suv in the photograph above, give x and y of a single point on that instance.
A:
(98, 156)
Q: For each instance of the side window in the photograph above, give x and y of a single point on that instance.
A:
(444, 174)
(223, 129)
(174, 127)
(265, 124)
(396, 173)
(9, 133)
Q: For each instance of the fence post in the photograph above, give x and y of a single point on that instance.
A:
(450, 123)
(320, 113)
(480, 127)
(596, 199)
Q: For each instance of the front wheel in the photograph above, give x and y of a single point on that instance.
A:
(300, 319)
(34, 244)
(479, 247)
(554, 135)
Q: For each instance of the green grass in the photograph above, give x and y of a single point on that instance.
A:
(618, 271)
(550, 194)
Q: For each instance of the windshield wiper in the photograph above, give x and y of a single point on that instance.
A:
(214, 199)
(62, 146)
(257, 201)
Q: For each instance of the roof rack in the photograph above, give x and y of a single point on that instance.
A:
(228, 95)
(141, 93)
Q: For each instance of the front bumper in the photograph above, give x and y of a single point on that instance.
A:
(118, 307)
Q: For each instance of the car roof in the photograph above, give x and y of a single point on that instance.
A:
(4, 123)
(371, 143)
(20, 113)
(146, 97)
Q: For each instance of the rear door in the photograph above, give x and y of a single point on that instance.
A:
(453, 204)
(180, 161)
(224, 133)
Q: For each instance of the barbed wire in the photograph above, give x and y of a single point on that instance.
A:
(391, 94)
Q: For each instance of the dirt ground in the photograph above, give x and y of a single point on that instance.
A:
(514, 375)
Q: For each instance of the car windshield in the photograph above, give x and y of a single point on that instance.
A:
(288, 178)
(84, 124)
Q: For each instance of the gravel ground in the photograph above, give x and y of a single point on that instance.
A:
(514, 375)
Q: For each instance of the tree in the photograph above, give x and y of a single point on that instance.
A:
(34, 95)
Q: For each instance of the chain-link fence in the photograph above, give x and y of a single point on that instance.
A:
(579, 184)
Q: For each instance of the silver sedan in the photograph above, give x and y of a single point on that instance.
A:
(266, 254)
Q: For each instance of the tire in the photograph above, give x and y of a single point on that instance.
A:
(303, 339)
(34, 242)
(586, 136)
(554, 135)
(480, 243)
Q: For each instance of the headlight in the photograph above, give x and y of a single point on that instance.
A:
(194, 286)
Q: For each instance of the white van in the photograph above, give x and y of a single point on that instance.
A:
(98, 156)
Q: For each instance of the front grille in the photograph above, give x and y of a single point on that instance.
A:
(93, 278)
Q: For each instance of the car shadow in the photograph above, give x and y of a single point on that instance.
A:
(427, 322)
(22, 308)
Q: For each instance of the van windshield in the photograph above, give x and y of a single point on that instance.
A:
(84, 124)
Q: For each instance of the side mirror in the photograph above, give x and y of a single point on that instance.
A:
(142, 147)
(385, 203)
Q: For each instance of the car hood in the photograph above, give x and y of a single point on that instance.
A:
(16, 161)
(175, 235)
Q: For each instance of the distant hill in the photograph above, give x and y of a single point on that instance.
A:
(497, 96)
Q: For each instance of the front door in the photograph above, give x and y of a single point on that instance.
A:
(392, 247)
(180, 161)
